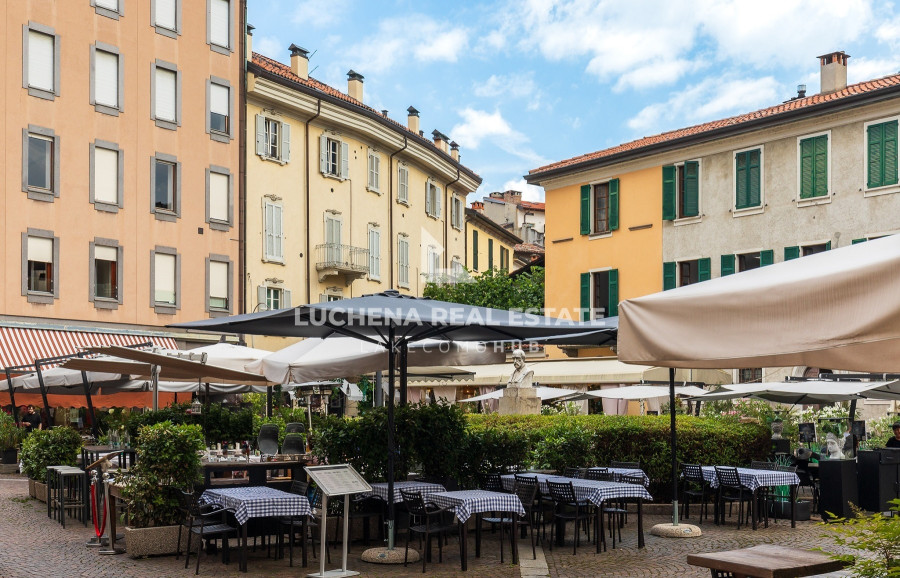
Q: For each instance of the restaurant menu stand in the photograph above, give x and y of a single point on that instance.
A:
(336, 480)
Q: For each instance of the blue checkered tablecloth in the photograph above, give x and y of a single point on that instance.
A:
(257, 502)
(468, 502)
(627, 472)
(754, 479)
(380, 489)
(590, 490)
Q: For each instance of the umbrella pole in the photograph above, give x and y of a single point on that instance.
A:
(673, 438)
(378, 395)
(390, 437)
(404, 349)
(154, 374)
(45, 419)
(12, 396)
(90, 404)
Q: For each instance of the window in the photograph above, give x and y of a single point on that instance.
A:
(403, 184)
(374, 166)
(218, 25)
(374, 252)
(457, 211)
(106, 274)
(750, 375)
(334, 157)
(504, 259)
(331, 294)
(40, 163)
(107, 165)
(273, 139)
(600, 208)
(599, 294)
(274, 232)
(403, 260)
(165, 185)
(107, 79)
(432, 264)
(681, 190)
(167, 17)
(108, 8)
(490, 253)
(166, 91)
(813, 249)
(333, 239)
(219, 207)
(219, 124)
(218, 283)
(40, 61)
(681, 273)
(165, 280)
(474, 250)
(457, 271)
(748, 261)
(813, 172)
(881, 154)
(432, 199)
(272, 298)
(747, 179)
(40, 266)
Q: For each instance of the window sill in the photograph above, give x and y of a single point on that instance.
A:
(376, 278)
(273, 260)
(106, 207)
(747, 211)
(40, 298)
(106, 109)
(166, 31)
(402, 202)
(403, 285)
(435, 217)
(687, 221)
(814, 201)
(371, 190)
(101, 11)
(219, 313)
(105, 303)
(41, 195)
(220, 137)
(333, 176)
(456, 227)
(166, 124)
(604, 235)
(165, 216)
(272, 159)
(220, 49)
(219, 225)
(41, 93)
(877, 192)
(165, 308)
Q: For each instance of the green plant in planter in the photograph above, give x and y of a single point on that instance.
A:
(49, 447)
(10, 434)
(168, 461)
(875, 534)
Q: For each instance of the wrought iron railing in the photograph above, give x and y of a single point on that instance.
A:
(342, 257)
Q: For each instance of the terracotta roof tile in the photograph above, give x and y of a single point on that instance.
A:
(532, 206)
(791, 105)
(528, 248)
(284, 71)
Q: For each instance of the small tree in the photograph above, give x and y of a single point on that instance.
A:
(493, 288)
(876, 534)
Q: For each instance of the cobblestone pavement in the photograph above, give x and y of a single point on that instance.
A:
(32, 543)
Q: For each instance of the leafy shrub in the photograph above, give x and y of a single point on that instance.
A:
(168, 461)
(49, 447)
(219, 422)
(877, 535)
(10, 433)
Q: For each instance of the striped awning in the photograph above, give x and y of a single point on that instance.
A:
(21, 346)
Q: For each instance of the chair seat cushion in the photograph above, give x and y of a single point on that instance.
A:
(213, 529)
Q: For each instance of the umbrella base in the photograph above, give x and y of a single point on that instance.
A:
(385, 556)
(673, 531)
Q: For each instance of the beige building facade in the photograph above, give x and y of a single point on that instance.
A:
(121, 178)
(488, 244)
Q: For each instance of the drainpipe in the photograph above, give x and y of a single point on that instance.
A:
(391, 209)
(242, 169)
(308, 253)
(449, 210)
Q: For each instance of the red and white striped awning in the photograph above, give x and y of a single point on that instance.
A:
(21, 346)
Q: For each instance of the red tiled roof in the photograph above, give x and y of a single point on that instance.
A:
(528, 248)
(791, 105)
(284, 71)
(532, 206)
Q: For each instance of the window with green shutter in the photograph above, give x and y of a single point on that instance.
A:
(614, 205)
(490, 253)
(857, 241)
(689, 189)
(814, 167)
(585, 209)
(668, 193)
(881, 153)
(585, 296)
(727, 265)
(474, 250)
(669, 271)
(704, 269)
(612, 308)
(747, 179)
(600, 294)
(766, 257)
(791, 253)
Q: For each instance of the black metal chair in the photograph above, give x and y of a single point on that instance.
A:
(293, 444)
(628, 465)
(694, 486)
(542, 505)
(567, 508)
(491, 482)
(763, 465)
(600, 475)
(267, 441)
(294, 427)
(731, 490)
(315, 505)
(571, 472)
(206, 522)
(615, 512)
(526, 493)
(290, 525)
(427, 520)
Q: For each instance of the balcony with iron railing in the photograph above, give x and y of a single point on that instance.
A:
(333, 259)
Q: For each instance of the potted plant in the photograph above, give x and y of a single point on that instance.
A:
(49, 447)
(10, 437)
(168, 461)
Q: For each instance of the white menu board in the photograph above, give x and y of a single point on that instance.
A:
(338, 479)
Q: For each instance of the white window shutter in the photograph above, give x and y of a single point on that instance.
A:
(219, 22)
(164, 269)
(165, 14)
(286, 298)
(260, 135)
(261, 298)
(278, 231)
(345, 160)
(41, 70)
(377, 167)
(370, 170)
(323, 154)
(285, 142)
(106, 176)
(323, 298)
(40, 249)
(218, 196)
(108, 4)
(165, 94)
(437, 202)
(378, 252)
(218, 280)
(428, 197)
(269, 232)
(106, 78)
(218, 99)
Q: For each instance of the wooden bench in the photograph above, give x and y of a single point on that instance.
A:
(766, 561)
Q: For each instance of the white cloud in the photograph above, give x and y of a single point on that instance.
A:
(272, 47)
(479, 126)
(861, 69)
(320, 13)
(710, 99)
(514, 85)
(529, 192)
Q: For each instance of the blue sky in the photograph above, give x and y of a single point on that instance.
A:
(524, 83)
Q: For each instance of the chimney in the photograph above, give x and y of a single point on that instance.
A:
(833, 68)
(454, 150)
(438, 139)
(412, 120)
(300, 61)
(384, 112)
(250, 29)
(801, 91)
(478, 206)
(355, 85)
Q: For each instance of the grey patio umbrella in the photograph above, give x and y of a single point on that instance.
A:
(394, 321)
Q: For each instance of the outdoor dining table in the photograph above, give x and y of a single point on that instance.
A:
(258, 502)
(767, 561)
(636, 472)
(380, 489)
(754, 480)
(595, 492)
(466, 503)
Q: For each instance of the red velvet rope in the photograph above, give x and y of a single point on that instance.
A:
(99, 530)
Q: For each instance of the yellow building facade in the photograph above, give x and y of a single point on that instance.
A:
(488, 245)
(343, 201)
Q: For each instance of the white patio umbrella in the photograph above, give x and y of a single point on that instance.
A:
(633, 392)
(808, 392)
(545, 393)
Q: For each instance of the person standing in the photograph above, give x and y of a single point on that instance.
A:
(31, 420)
(894, 442)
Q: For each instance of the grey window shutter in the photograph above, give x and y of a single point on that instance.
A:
(285, 142)
(345, 160)
(286, 298)
(437, 201)
(323, 154)
(428, 197)
(260, 135)
(261, 297)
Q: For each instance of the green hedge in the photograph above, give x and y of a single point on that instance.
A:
(450, 444)
(59, 446)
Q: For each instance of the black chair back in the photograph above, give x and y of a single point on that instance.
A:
(728, 477)
(414, 502)
(491, 482)
(562, 492)
(526, 494)
(792, 469)
(632, 479)
(573, 472)
(299, 487)
(600, 475)
(629, 465)
(294, 427)
(761, 465)
(267, 442)
(692, 473)
(293, 444)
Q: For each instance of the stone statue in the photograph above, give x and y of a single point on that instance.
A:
(521, 375)
(777, 429)
(833, 448)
